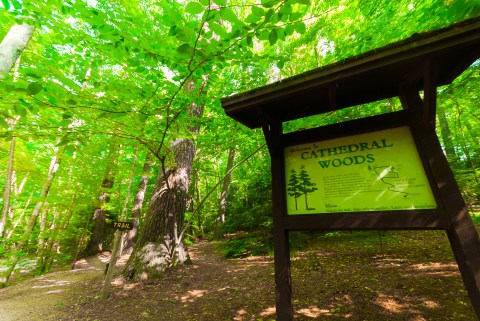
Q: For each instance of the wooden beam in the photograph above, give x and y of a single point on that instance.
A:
(283, 281)
(391, 220)
(429, 94)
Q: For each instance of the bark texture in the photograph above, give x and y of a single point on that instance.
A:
(222, 209)
(131, 236)
(12, 46)
(95, 244)
(8, 188)
(54, 165)
(160, 244)
(448, 144)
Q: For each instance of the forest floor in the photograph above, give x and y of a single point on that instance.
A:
(402, 275)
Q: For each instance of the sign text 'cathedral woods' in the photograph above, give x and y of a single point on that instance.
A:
(376, 171)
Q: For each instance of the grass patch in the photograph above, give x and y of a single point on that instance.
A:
(244, 246)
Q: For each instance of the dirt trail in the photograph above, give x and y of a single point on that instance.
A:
(342, 277)
(41, 297)
(212, 288)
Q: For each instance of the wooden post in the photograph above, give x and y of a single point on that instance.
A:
(283, 283)
(111, 264)
(462, 234)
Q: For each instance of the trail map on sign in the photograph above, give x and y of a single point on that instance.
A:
(377, 171)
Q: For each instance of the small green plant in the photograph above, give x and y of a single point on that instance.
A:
(248, 246)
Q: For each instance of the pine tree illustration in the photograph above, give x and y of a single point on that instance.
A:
(306, 184)
(294, 187)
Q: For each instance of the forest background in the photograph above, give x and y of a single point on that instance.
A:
(110, 110)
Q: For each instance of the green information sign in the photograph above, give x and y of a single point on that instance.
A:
(376, 171)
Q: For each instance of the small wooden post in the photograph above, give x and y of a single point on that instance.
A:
(111, 264)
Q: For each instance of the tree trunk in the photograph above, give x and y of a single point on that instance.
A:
(160, 244)
(8, 188)
(95, 244)
(448, 144)
(13, 45)
(131, 236)
(20, 218)
(41, 231)
(222, 209)
(111, 264)
(54, 165)
(123, 215)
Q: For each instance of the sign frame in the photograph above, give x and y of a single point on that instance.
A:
(437, 218)
(313, 163)
(450, 215)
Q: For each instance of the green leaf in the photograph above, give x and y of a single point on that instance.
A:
(286, 9)
(220, 2)
(272, 38)
(186, 49)
(71, 102)
(252, 18)
(24, 103)
(67, 115)
(64, 141)
(258, 11)
(269, 3)
(20, 110)
(296, 16)
(173, 30)
(117, 115)
(6, 4)
(34, 109)
(65, 10)
(300, 27)
(249, 40)
(205, 2)
(3, 123)
(269, 14)
(289, 30)
(217, 29)
(34, 88)
(69, 150)
(194, 8)
(142, 117)
(228, 14)
(140, 69)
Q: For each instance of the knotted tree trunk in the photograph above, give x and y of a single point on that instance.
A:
(160, 243)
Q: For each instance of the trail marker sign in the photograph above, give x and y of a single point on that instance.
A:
(121, 225)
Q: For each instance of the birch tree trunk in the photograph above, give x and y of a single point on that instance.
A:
(8, 188)
(222, 209)
(160, 244)
(13, 45)
(54, 165)
(448, 144)
(131, 235)
(11, 48)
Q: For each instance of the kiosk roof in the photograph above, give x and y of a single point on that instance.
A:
(372, 76)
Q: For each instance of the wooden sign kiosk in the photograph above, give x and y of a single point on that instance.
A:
(395, 162)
